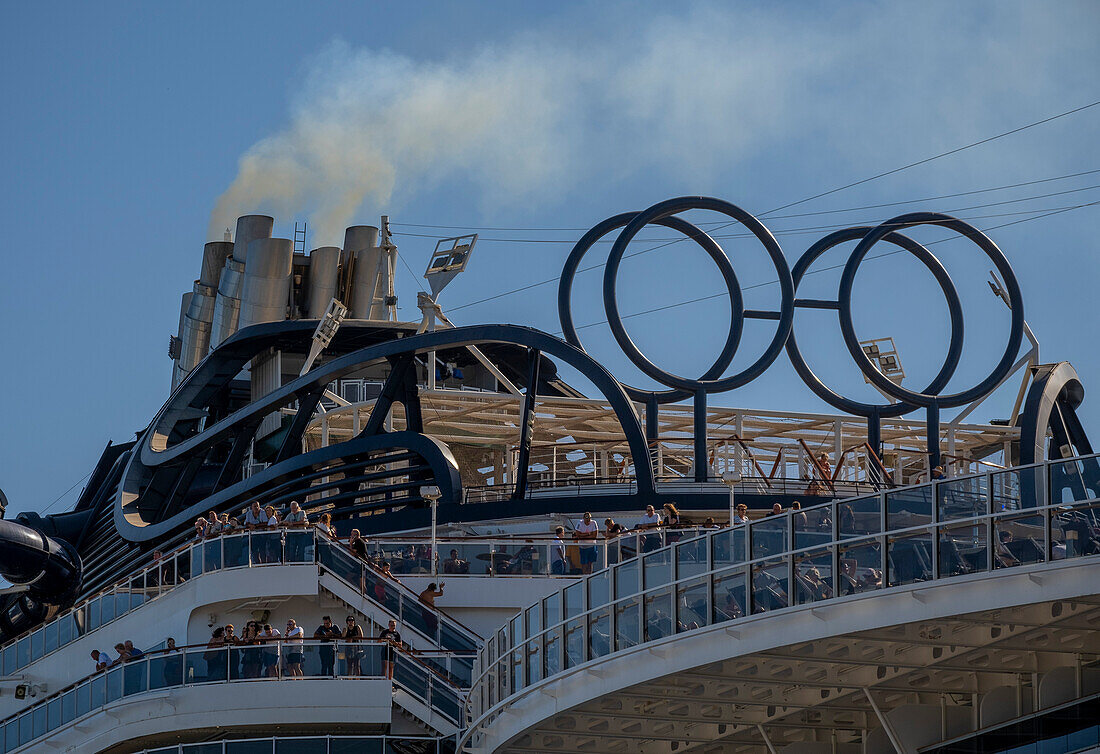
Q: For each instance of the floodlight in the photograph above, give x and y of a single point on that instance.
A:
(450, 257)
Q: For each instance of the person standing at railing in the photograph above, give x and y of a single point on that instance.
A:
(200, 529)
(798, 518)
(325, 525)
(213, 524)
(274, 544)
(215, 655)
(270, 637)
(254, 520)
(173, 664)
(353, 634)
(295, 645)
(357, 545)
(327, 634)
(101, 659)
(254, 516)
(558, 563)
(586, 531)
(427, 597)
(393, 640)
(740, 514)
(251, 657)
(295, 541)
(650, 521)
(672, 520)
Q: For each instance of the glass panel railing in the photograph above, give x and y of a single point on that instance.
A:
(1019, 540)
(859, 517)
(813, 526)
(910, 558)
(961, 498)
(657, 612)
(770, 586)
(728, 595)
(964, 549)
(813, 576)
(692, 610)
(201, 665)
(628, 624)
(860, 567)
(1074, 531)
(908, 507)
(769, 536)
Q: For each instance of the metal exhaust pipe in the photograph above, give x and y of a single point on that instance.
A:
(228, 307)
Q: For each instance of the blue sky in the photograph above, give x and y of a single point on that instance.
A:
(124, 124)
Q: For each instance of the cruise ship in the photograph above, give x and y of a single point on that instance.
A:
(344, 532)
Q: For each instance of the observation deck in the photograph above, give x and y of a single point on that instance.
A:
(883, 623)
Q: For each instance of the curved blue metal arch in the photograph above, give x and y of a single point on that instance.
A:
(161, 428)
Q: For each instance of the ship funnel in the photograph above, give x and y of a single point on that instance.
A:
(369, 276)
(214, 255)
(265, 292)
(228, 307)
(324, 265)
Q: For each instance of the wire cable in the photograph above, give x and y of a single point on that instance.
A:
(778, 232)
(827, 193)
(796, 214)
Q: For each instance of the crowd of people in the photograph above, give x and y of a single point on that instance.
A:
(125, 651)
(256, 517)
(265, 652)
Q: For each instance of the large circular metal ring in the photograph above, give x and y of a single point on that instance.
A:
(1012, 288)
(709, 383)
(569, 272)
(954, 306)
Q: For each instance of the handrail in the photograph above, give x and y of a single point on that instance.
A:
(384, 740)
(816, 465)
(267, 661)
(292, 546)
(974, 510)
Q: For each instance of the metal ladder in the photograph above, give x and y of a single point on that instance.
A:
(300, 237)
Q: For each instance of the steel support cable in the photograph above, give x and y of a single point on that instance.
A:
(845, 187)
(795, 214)
(787, 230)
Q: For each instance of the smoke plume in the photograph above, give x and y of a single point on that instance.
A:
(685, 94)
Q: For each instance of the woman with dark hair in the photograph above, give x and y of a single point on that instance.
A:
(215, 655)
(251, 656)
(672, 521)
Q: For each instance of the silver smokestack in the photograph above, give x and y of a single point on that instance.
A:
(228, 307)
(361, 244)
(324, 264)
(266, 289)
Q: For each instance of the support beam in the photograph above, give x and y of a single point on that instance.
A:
(527, 423)
(887, 726)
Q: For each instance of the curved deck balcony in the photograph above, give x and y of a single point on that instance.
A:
(344, 681)
(787, 578)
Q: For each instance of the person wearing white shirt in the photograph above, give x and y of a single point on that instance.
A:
(650, 521)
(587, 530)
(102, 659)
(254, 516)
(295, 636)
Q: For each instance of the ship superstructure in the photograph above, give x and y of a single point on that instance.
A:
(898, 579)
